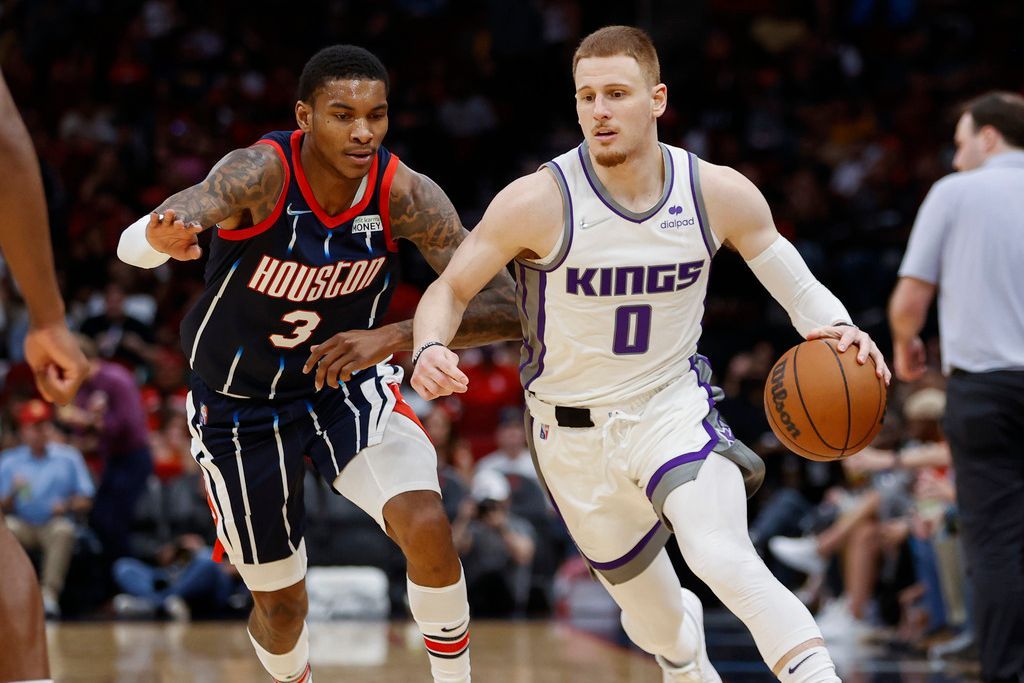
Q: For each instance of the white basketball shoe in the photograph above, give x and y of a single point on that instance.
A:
(699, 670)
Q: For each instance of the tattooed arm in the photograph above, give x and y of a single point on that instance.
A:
(422, 214)
(241, 190)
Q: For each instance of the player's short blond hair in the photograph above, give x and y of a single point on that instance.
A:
(630, 41)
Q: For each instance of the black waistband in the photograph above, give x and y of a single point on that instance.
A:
(1008, 372)
(567, 416)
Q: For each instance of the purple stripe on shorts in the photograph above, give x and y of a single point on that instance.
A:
(684, 458)
(637, 549)
(695, 455)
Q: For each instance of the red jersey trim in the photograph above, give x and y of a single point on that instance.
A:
(307, 192)
(385, 201)
(264, 225)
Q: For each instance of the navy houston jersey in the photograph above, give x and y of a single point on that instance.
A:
(291, 281)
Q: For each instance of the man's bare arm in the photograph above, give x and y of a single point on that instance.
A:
(524, 219)
(56, 360)
(25, 227)
(240, 190)
(422, 213)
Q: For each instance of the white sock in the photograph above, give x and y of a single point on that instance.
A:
(290, 666)
(810, 666)
(443, 617)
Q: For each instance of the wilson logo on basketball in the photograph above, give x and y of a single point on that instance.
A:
(779, 395)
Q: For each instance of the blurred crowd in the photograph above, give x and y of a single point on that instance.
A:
(841, 112)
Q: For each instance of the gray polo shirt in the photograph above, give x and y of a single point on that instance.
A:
(969, 240)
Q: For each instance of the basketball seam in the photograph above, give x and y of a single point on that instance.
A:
(846, 389)
(800, 395)
(878, 407)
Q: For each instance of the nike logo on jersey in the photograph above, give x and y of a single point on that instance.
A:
(586, 225)
(292, 212)
(298, 282)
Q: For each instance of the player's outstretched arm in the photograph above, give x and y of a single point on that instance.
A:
(240, 190)
(422, 213)
(740, 217)
(55, 358)
(524, 219)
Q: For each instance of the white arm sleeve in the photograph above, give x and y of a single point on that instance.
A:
(135, 250)
(787, 278)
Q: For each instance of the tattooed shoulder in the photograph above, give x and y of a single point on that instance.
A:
(422, 213)
(245, 184)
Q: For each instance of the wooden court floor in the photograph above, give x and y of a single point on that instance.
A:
(349, 652)
(392, 652)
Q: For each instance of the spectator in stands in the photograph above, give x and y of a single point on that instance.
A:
(873, 520)
(108, 410)
(496, 548)
(117, 335)
(170, 571)
(512, 455)
(45, 488)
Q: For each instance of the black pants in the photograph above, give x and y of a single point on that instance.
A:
(985, 427)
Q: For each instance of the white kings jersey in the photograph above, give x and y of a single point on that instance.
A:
(615, 309)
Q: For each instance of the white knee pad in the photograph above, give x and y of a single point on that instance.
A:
(709, 518)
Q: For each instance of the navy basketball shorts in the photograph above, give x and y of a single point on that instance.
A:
(363, 439)
(609, 481)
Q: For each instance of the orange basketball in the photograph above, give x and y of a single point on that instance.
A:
(823, 404)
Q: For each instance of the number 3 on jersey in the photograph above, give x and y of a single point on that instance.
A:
(632, 330)
(305, 322)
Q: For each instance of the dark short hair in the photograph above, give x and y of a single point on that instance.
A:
(1002, 110)
(339, 62)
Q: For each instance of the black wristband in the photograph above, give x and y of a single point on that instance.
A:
(844, 325)
(419, 351)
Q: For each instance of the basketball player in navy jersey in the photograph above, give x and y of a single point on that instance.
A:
(59, 368)
(612, 243)
(289, 359)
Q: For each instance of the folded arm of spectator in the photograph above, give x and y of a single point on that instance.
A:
(926, 455)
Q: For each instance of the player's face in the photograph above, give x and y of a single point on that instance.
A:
(970, 145)
(617, 107)
(346, 122)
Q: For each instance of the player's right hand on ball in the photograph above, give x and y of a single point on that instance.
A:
(437, 374)
(169, 234)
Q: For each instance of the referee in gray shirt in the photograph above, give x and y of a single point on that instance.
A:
(968, 243)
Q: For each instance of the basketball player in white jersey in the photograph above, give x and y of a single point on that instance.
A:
(612, 244)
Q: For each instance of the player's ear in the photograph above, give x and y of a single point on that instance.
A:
(304, 115)
(659, 99)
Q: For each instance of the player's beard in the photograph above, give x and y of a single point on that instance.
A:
(610, 159)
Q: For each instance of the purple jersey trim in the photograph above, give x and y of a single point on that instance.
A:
(696, 209)
(646, 215)
(526, 315)
(540, 329)
(568, 228)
